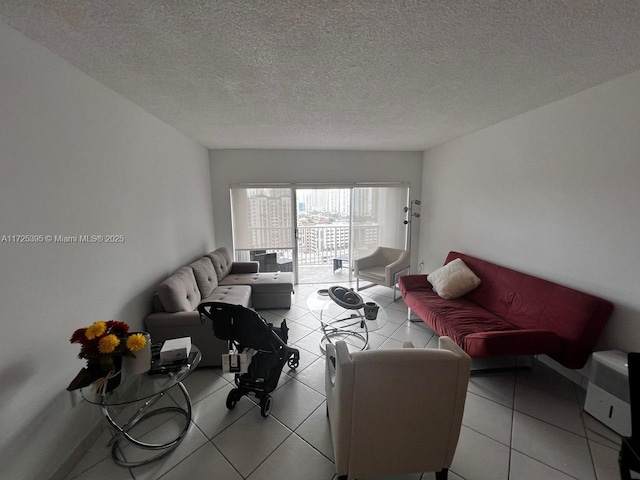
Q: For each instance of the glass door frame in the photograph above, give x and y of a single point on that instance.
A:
(293, 187)
(295, 218)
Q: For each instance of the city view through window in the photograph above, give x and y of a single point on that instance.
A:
(333, 224)
(324, 224)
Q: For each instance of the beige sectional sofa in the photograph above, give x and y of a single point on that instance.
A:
(213, 278)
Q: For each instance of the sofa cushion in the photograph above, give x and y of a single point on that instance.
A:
(240, 279)
(262, 283)
(376, 273)
(479, 332)
(205, 275)
(233, 294)
(272, 283)
(453, 280)
(222, 261)
(454, 319)
(179, 292)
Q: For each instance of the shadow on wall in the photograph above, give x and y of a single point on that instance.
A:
(12, 378)
(621, 329)
(138, 307)
(43, 445)
(48, 438)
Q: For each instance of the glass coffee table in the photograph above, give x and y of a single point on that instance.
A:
(148, 389)
(339, 323)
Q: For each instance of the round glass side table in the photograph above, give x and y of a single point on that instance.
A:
(149, 389)
(340, 323)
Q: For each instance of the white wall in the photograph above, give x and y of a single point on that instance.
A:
(76, 158)
(230, 167)
(554, 192)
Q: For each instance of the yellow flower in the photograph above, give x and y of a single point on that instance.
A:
(136, 342)
(108, 343)
(96, 330)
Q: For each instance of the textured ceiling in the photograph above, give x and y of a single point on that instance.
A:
(322, 74)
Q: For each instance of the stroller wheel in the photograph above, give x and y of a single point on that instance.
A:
(293, 363)
(233, 398)
(265, 406)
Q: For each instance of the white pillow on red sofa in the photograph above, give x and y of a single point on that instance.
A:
(453, 280)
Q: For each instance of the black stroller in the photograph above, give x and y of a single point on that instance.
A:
(246, 330)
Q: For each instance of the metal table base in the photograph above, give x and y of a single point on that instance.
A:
(142, 414)
(343, 328)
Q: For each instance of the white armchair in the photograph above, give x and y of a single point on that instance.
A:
(395, 411)
(382, 267)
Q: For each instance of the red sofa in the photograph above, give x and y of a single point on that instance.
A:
(511, 313)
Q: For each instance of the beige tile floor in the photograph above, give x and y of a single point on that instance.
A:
(525, 425)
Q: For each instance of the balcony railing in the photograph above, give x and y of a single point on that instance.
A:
(317, 245)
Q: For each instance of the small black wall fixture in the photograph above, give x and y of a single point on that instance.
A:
(409, 214)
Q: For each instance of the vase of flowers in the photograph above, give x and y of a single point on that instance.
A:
(103, 345)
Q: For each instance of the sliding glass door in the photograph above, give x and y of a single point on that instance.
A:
(323, 233)
(316, 231)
